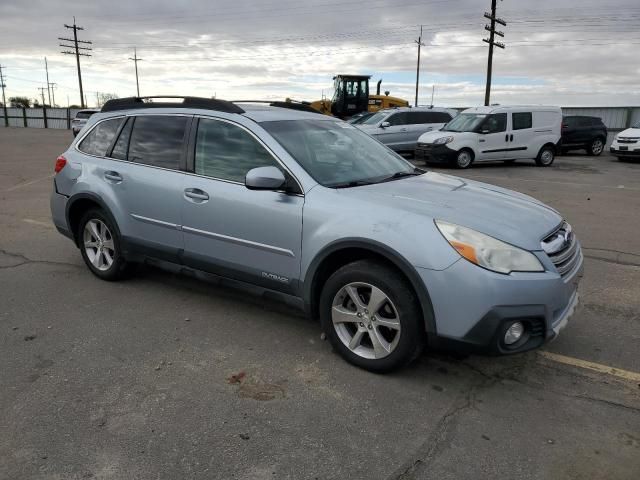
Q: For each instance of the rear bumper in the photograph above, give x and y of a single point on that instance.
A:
(58, 204)
(435, 153)
(474, 307)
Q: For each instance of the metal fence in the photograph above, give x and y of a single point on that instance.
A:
(38, 117)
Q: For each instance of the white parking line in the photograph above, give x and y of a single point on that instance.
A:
(595, 367)
(37, 222)
(26, 184)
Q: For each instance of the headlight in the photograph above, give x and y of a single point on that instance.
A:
(488, 252)
(443, 140)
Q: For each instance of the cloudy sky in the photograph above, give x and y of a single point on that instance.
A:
(570, 52)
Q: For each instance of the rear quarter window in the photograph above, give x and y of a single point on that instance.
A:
(100, 138)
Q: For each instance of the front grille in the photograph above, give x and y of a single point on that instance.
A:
(627, 139)
(424, 145)
(563, 249)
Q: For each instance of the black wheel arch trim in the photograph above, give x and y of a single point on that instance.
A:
(383, 250)
(94, 198)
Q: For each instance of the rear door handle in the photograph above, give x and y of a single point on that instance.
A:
(506, 137)
(403, 129)
(113, 176)
(196, 194)
(511, 138)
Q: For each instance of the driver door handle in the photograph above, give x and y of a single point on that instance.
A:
(196, 194)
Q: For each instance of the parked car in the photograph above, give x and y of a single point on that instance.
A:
(399, 128)
(80, 120)
(626, 144)
(583, 132)
(487, 134)
(387, 256)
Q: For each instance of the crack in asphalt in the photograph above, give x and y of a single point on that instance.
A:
(428, 450)
(616, 261)
(24, 260)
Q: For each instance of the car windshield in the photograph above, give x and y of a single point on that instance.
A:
(337, 154)
(465, 122)
(375, 118)
(360, 118)
(84, 114)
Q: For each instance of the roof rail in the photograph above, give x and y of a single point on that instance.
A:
(292, 104)
(187, 102)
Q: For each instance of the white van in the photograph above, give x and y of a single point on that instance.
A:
(488, 134)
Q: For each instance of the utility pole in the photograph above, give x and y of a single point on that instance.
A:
(42, 89)
(97, 99)
(53, 95)
(492, 33)
(76, 52)
(433, 91)
(135, 61)
(46, 67)
(420, 44)
(4, 101)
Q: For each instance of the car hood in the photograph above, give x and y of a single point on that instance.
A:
(509, 216)
(430, 137)
(630, 132)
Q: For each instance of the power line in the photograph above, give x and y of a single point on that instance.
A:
(77, 52)
(491, 41)
(135, 61)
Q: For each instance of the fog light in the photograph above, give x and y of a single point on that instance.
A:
(514, 333)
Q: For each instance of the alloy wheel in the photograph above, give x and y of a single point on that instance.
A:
(98, 244)
(366, 320)
(597, 146)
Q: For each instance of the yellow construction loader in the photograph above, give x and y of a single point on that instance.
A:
(351, 96)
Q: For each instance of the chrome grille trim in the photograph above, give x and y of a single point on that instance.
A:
(563, 249)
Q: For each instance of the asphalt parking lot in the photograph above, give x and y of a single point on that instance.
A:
(166, 377)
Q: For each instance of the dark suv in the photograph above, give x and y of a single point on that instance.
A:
(581, 132)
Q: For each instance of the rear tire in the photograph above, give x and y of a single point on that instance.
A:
(596, 147)
(546, 156)
(100, 246)
(372, 316)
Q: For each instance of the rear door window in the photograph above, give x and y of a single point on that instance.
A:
(522, 120)
(584, 122)
(158, 140)
(98, 141)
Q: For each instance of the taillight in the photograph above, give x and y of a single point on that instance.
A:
(60, 164)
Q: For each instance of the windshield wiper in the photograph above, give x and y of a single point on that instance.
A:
(416, 171)
(352, 183)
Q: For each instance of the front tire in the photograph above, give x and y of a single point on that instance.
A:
(371, 316)
(546, 156)
(100, 246)
(464, 159)
(596, 147)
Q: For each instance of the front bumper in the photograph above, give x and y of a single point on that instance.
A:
(432, 153)
(628, 149)
(474, 307)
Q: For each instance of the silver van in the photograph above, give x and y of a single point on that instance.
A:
(390, 258)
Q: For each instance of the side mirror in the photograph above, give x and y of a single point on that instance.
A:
(264, 178)
(385, 125)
